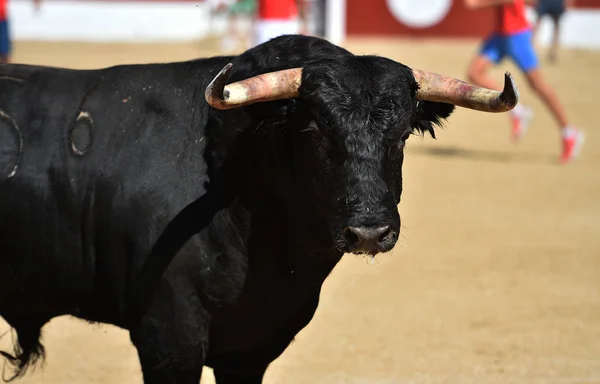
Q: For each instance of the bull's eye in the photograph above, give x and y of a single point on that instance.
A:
(318, 135)
(406, 135)
(398, 148)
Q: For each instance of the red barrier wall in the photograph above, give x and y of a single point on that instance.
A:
(375, 17)
(587, 4)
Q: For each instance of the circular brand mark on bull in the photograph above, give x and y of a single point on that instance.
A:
(11, 146)
(419, 13)
(82, 133)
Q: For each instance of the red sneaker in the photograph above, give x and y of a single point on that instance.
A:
(520, 123)
(572, 146)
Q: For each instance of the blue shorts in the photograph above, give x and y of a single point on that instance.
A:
(518, 47)
(553, 8)
(4, 38)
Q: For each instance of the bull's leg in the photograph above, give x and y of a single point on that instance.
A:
(171, 339)
(223, 377)
(246, 367)
(27, 349)
(249, 367)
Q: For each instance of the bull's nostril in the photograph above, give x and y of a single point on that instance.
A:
(367, 238)
(385, 234)
(350, 236)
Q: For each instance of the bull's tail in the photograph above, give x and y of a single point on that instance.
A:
(28, 350)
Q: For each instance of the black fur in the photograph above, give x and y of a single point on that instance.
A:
(27, 347)
(206, 233)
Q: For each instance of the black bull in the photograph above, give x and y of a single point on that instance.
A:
(125, 198)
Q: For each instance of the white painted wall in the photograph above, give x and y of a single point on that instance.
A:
(335, 25)
(580, 29)
(109, 21)
(78, 20)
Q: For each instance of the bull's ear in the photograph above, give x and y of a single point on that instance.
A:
(430, 113)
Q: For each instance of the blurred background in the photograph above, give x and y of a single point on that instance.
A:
(190, 20)
(496, 278)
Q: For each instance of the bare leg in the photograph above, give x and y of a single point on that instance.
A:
(548, 96)
(477, 72)
(572, 139)
(555, 39)
(536, 28)
(229, 40)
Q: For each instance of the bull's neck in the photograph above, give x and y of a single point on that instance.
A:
(279, 216)
(259, 168)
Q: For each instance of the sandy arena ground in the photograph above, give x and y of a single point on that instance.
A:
(495, 280)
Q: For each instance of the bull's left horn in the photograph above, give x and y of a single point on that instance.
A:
(435, 87)
(266, 87)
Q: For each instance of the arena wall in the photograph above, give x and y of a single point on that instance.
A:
(96, 21)
(177, 20)
(450, 18)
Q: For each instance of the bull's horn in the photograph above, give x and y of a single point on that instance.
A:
(435, 87)
(267, 87)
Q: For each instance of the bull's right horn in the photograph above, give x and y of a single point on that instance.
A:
(270, 86)
(435, 87)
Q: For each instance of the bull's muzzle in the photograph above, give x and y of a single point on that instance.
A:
(371, 240)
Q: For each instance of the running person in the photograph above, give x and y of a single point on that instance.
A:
(555, 9)
(279, 17)
(5, 47)
(236, 10)
(512, 37)
(5, 41)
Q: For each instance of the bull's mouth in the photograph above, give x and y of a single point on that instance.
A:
(372, 252)
(368, 252)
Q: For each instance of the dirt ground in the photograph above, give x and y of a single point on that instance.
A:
(496, 278)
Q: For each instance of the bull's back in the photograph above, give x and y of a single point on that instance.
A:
(93, 164)
(33, 102)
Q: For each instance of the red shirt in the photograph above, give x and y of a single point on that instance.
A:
(3, 10)
(277, 9)
(512, 18)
